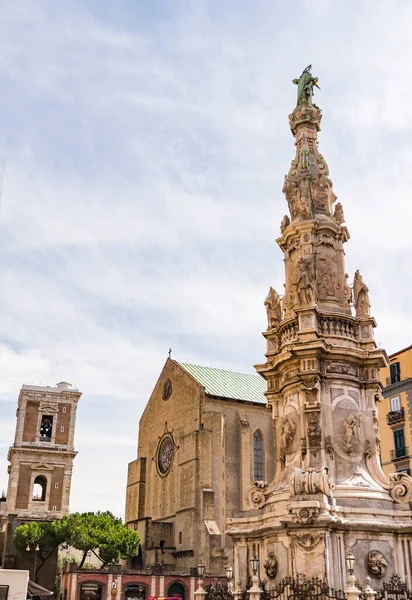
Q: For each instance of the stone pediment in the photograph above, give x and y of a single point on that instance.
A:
(41, 467)
(47, 408)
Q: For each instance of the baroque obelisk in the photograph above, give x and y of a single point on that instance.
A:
(329, 495)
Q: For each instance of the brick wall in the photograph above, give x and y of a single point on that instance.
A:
(23, 487)
(63, 420)
(30, 432)
(55, 498)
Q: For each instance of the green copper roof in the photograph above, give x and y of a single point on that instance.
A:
(226, 384)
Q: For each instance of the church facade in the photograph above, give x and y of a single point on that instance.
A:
(204, 436)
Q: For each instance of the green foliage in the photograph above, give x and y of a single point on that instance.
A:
(101, 533)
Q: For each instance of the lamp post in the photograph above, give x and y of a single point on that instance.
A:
(229, 576)
(200, 593)
(350, 562)
(36, 550)
(255, 591)
(352, 592)
(254, 561)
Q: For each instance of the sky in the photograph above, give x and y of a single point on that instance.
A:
(144, 145)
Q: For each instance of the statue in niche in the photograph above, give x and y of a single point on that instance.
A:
(287, 433)
(284, 223)
(376, 563)
(271, 566)
(305, 85)
(361, 296)
(303, 282)
(320, 194)
(351, 428)
(338, 214)
(273, 308)
(347, 291)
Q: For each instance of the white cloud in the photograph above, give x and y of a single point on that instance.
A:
(145, 153)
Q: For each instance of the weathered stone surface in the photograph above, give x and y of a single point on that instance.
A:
(322, 370)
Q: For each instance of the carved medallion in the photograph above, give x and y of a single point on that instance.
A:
(271, 566)
(376, 564)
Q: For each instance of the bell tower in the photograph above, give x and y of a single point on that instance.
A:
(329, 495)
(41, 458)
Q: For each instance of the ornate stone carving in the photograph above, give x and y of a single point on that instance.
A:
(361, 296)
(292, 194)
(338, 214)
(271, 566)
(376, 564)
(284, 223)
(273, 308)
(347, 292)
(376, 430)
(308, 541)
(254, 495)
(311, 482)
(303, 282)
(292, 244)
(351, 435)
(321, 192)
(328, 281)
(326, 239)
(401, 487)
(314, 430)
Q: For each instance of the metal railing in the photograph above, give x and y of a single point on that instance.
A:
(399, 452)
(395, 416)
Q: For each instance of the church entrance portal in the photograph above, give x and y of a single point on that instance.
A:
(176, 589)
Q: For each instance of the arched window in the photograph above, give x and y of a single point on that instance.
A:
(39, 488)
(257, 456)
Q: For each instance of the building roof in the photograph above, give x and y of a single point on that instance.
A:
(227, 384)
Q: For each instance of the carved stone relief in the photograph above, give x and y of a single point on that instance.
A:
(376, 564)
(287, 434)
(314, 431)
(322, 194)
(303, 282)
(328, 279)
(308, 554)
(351, 432)
(271, 566)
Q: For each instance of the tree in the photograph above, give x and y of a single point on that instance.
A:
(101, 533)
(47, 535)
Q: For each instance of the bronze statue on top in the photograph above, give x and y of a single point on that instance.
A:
(305, 85)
